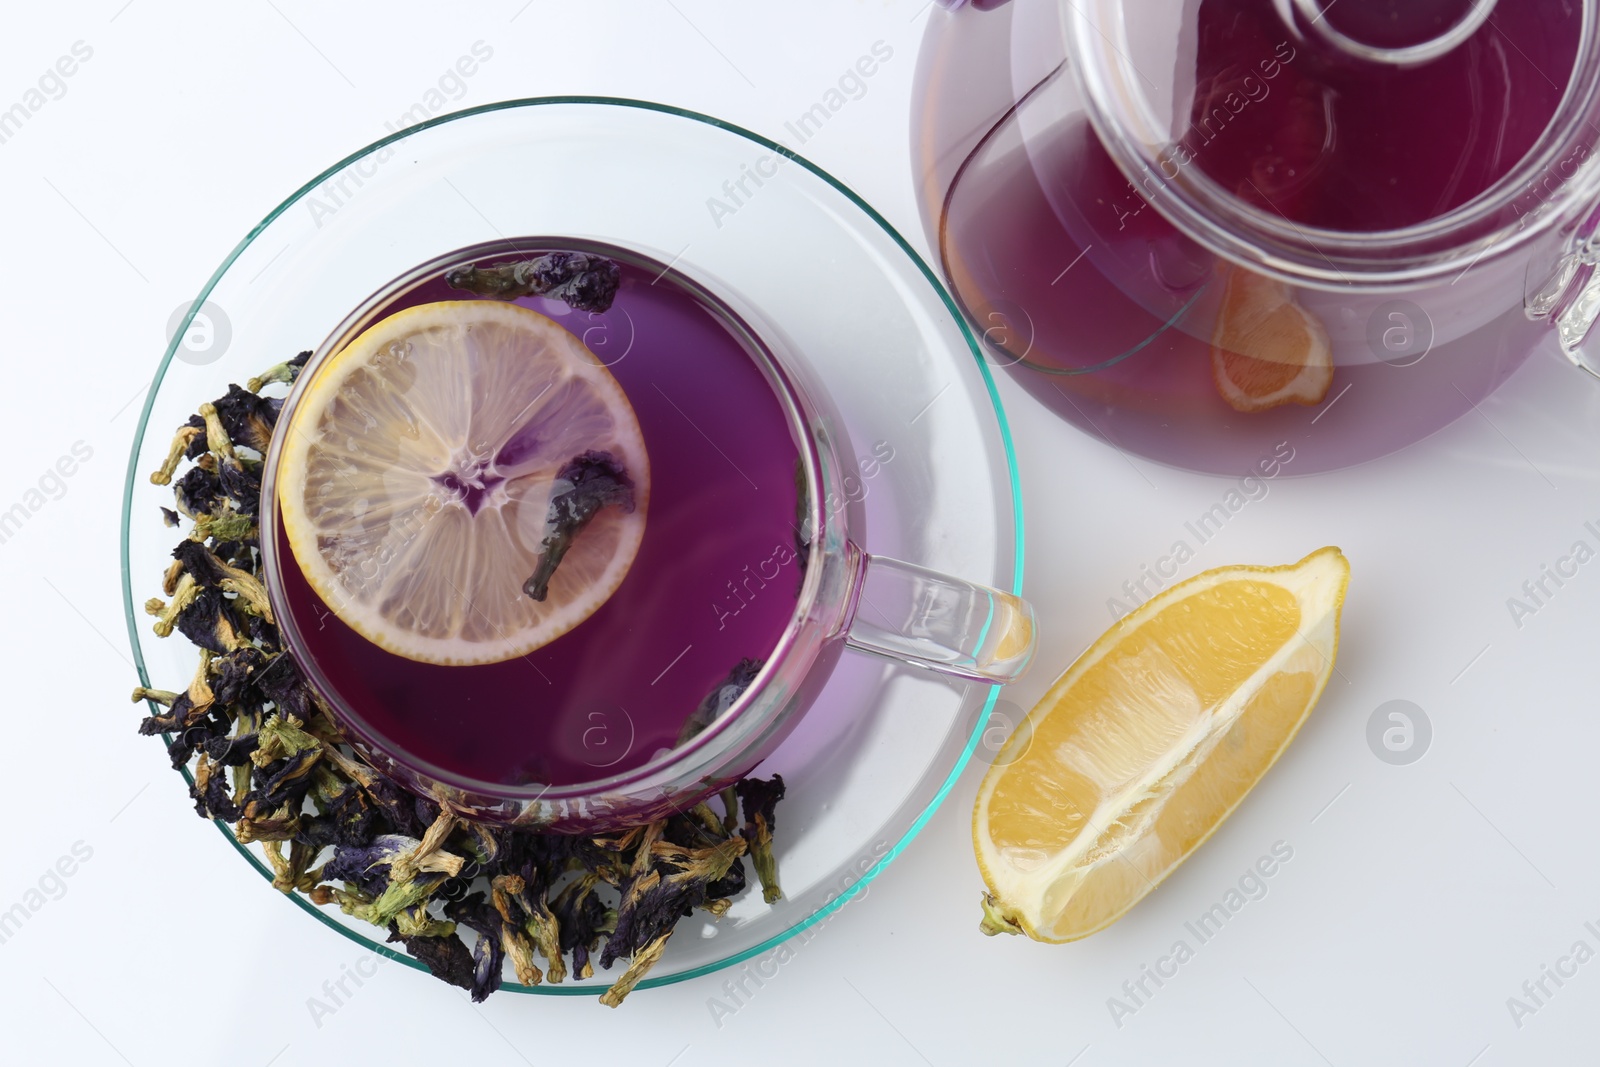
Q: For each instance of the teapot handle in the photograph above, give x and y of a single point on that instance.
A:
(1568, 297)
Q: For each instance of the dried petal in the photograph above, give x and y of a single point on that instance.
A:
(446, 957)
(205, 622)
(488, 952)
(246, 418)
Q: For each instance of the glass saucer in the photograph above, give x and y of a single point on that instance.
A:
(884, 743)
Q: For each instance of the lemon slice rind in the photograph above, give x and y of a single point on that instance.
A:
(379, 585)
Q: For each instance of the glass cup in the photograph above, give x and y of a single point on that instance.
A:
(849, 599)
(1091, 176)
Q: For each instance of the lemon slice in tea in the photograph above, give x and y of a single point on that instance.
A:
(417, 472)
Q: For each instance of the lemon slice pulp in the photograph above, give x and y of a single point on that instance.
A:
(417, 471)
(1150, 740)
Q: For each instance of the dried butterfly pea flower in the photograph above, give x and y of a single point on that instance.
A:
(582, 919)
(285, 372)
(503, 891)
(584, 282)
(241, 481)
(488, 952)
(285, 781)
(429, 853)
(729, 885)
(373, 872)
(247, 418)
(205, 621)
(234, 672)
(584, 485)
(397, 897)
(720, 699)
(184, 710)
(666, 883)
(281, 682)
(760, 799)
(199, 492)
(230, 750)
(224, 526)
(175, 721)
(641, 963)
(446, 956)
(261, 821)
(416, 922)
(367, 867)
(533, 914)
(343, 817)
(280, 737)
(166, 612)
(212, 799)
(164, 697)
(390, 802)
(289, 872)
(182, 441)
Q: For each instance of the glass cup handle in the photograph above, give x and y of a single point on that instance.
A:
(927, 619)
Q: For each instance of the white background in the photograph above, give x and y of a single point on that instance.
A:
(1418, 899)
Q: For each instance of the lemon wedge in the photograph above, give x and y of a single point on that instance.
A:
(1267, 350)
(1149, 741)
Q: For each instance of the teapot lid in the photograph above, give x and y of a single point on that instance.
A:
(1339, 141)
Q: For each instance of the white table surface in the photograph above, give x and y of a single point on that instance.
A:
(1418, 899)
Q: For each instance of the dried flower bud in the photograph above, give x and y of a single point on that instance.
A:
(167, 614)
(224, 525)
(281, 372)
(216, 436)
(427, 856)
(643, 960)
(280, 737)
(181, 441)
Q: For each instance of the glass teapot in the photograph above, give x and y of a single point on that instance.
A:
(1214, 232)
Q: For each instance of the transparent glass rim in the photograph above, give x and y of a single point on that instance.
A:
(132, 617)
(1321, 258)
